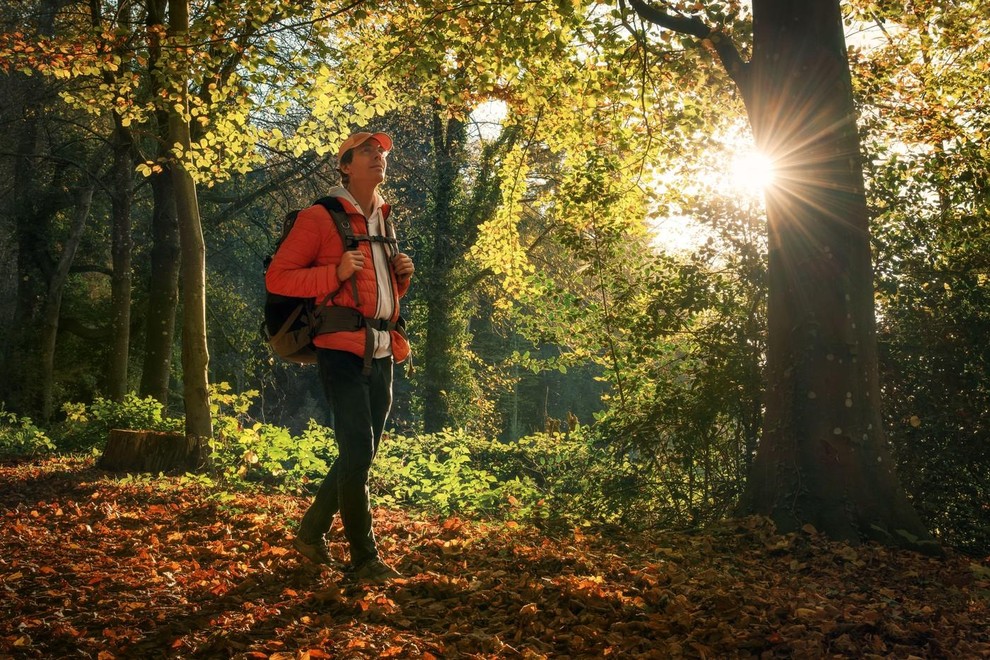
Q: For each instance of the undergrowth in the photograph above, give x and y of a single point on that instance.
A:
(561, 479)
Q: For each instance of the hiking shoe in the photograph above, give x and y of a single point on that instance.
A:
(315, 551)
(374, 570)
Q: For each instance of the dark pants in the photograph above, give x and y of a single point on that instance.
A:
(360, 405)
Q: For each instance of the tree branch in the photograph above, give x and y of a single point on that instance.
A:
(305, 166)
(80, 329)
(727, 53)
(481, 275)
(91, 268)
(678, 23)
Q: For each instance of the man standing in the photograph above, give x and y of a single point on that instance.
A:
(363, 281)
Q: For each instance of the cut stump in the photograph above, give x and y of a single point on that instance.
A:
(147, 451)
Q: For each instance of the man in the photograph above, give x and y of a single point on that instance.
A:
(355, 365)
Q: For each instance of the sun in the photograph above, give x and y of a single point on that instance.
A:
(751, 172)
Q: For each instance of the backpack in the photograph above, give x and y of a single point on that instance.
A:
(291, 323)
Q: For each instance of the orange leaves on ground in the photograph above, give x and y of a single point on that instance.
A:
(92, 566)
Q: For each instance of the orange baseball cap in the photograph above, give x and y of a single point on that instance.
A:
(357, 139)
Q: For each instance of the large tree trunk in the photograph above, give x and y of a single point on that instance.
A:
(441, 337)
(163, 293)
(53, 303)
(122, 194)
(195, 356)
(32, 227)
(823, 457)
(34, 209)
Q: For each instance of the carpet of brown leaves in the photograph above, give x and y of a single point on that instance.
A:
(90, 567)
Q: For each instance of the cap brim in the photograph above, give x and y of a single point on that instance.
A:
(383, 139)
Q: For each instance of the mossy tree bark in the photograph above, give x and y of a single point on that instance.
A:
(441, 336)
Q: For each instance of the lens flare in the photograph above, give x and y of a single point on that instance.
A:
(752, 172)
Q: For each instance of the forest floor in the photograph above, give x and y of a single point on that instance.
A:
(93, 566)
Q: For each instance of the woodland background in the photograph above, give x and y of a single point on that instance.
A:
(570, 347)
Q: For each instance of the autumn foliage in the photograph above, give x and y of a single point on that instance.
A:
(166, 567)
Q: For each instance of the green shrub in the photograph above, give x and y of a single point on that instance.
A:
(552, 480)
(20, 437)
(87, 427)
(441, 479)
(244, 450)
(545, 479)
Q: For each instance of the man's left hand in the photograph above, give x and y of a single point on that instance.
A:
(403, 266)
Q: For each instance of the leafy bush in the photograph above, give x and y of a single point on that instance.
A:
(547, 479)
(248, 451)
(415, 472)
(20, 437)
(87, 427)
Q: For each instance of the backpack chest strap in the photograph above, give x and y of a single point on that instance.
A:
(387, 240)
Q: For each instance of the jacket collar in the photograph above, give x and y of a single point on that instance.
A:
(351, 206)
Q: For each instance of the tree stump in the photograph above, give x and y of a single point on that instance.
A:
(147, 451)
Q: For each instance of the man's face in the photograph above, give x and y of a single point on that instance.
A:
(368, 163)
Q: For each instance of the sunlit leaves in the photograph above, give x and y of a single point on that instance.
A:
(239, 63)
(499, 248)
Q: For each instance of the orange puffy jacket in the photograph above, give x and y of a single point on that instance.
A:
(305, 266)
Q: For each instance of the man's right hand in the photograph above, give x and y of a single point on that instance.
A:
(350, 263)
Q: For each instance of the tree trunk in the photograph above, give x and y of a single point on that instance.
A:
(20, 390)
(122, 194)
(53, 304)
(163, 291)
(148, 451)
(195, 356)
(34, 209)
(163, 295)
(823, 457)
(441, 337)
(32, 223)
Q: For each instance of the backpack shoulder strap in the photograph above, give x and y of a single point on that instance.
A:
(343, 223)
(287, 223)
(339, 215)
